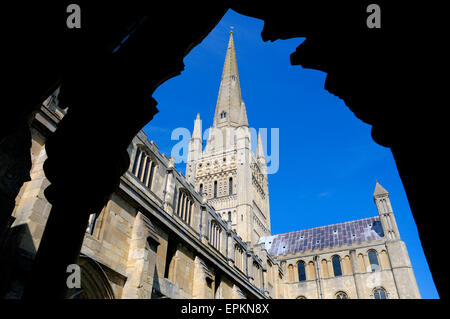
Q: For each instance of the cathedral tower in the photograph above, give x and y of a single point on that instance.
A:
(404, 278)
(228, 172)
(383, 203)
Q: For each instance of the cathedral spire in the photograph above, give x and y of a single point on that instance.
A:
(387, 219)
(229, 101)
(260, 150)
(197, 133)
(243, 121)
(195, 150)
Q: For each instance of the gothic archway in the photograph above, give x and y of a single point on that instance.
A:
(94, 282)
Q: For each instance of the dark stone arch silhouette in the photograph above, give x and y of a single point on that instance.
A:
(370, 69)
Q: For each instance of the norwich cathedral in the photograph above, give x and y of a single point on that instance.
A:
(206, 233)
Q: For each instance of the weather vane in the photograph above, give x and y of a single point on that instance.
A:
(231, 31)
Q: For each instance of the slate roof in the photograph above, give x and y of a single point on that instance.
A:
(355, 231)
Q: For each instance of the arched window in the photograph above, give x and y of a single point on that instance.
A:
(189, 212)
(229, 216)
(91, 223)
(258, 275)
(201, 189)
(230, 186)
(301, 271)
(337, 266)
(136, 161)
(144, 167)
(379, 293)
(362, 265)
(141, 165)
(215, 189)
(94, 282)
(341, 295)
(312, 270)
(185, 207)
(215, 234)
(144, 176)
(239, 257)
(150, 176)
(347, 266)
(291, 273)
(373, 259)
(384, 260)
(325, 269)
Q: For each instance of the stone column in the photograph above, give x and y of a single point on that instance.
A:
(141, 260)
(404, 278)
(84, 167)
(185, 207)
(237, 293)
(15, 165)
(330, 268)
(32, 210)
(203, 277)
(262, 271)
(207, 227)
(249, 266)
(367, 263)
(319, 276)
(357, 275)
(230, 249)
(202, 227)
(169, 202)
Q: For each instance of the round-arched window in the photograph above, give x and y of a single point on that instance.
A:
(301, 271)
(379, 293)
(341, 295)
(337, 266)
(373, 259)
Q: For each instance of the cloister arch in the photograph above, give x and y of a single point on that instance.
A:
(113, 83)
(94, 282)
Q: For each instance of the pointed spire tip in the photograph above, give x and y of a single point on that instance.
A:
(197, 127)
(379, 190)
(260, 149)
(228, 107)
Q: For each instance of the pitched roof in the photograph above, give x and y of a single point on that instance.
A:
(379, 190)
(355, 231)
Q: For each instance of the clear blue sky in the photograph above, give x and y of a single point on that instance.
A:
(328, 160)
